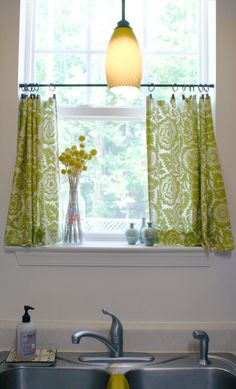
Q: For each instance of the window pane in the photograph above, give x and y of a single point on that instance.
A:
(115, 183)
(173, 69)
(104, 18)
(64, 69)
(61, 24)
(172, 25)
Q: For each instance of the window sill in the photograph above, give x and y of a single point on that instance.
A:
(111, 254)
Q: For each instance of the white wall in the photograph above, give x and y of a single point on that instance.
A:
(179, 296)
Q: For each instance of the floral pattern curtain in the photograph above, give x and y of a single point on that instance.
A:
(187, 201)
(34, 204)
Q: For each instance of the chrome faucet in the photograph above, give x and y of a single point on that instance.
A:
(204, 341)
(114, 344)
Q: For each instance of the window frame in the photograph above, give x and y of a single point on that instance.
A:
(26, 75)
(112, 255)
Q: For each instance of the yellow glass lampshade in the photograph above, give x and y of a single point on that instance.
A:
(123, 59)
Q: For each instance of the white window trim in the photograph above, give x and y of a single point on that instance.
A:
(111, 254)
(101, 113)
(27, 44)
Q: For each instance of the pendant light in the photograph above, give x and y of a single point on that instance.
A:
(123, 58)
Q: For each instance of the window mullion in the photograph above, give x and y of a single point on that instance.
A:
(145, 37)
(50, 29)
(102, 113)
(27, 41)
(88, 49)
(203, 42)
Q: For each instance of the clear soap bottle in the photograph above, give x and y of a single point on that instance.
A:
(26, 337)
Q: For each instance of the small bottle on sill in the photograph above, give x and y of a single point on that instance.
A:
(132, 234)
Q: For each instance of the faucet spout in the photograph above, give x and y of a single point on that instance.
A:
(114, 344)
(91, 334)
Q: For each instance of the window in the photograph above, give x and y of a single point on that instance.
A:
(65, 41)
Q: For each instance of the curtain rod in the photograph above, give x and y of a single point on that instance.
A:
(151, 85)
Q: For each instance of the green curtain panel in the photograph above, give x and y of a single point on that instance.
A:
(33, 216)
(187, 201)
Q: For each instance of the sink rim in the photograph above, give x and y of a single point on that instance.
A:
(162, 361)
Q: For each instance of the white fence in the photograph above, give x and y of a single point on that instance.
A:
(105, 225)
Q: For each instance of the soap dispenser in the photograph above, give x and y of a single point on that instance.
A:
(26, 337)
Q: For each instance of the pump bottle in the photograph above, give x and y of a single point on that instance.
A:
(26, 337)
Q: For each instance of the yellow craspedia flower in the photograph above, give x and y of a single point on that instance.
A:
(75, 158)
(93, 152)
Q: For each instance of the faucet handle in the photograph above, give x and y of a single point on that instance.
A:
(116, 330)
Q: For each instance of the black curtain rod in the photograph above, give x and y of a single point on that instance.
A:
(151, 85)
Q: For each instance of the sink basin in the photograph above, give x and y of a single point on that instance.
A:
(182, 379)
(184, 373)
(52, 378)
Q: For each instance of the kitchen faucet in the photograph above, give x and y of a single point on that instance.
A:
(114, 344)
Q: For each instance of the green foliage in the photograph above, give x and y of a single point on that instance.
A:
(115, 183)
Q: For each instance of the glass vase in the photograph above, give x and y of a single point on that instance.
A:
(73, 230)
(131, 234)
(143, 226)
(149, 235)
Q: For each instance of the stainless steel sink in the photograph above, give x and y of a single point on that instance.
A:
(184, 373)
(182, 379)
(52, 378)
(167, 371)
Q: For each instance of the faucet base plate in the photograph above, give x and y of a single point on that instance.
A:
(127, 357)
